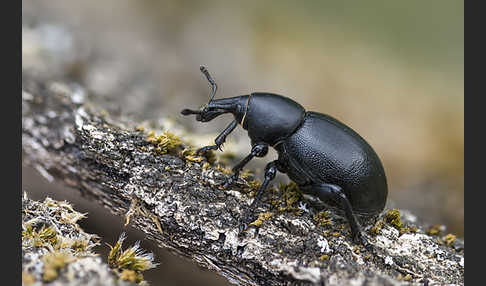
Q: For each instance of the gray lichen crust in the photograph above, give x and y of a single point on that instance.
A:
(173, 196)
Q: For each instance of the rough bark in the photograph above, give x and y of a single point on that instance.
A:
(176, 201)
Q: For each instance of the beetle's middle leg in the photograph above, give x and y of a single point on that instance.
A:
(258, 150)
(270, 173)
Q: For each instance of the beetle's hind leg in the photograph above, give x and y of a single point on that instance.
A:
(326, 192)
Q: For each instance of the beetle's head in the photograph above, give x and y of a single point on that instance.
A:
(208, 111)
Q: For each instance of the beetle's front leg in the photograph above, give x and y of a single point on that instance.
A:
(258, 150)
(220, 139)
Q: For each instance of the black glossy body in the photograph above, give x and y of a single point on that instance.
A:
(323, 156)
(316, 148)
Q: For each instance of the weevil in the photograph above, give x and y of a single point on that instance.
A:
(323, 156)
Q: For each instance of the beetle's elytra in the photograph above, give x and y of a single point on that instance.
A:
(323, 156)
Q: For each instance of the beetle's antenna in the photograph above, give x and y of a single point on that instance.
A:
(211, 81)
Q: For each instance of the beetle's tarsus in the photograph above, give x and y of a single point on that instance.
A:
(243, 226)
(206, 148)
(245, 220)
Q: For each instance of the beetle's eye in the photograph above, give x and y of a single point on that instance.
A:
(204, 108)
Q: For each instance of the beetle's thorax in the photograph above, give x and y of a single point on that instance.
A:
(270, 118)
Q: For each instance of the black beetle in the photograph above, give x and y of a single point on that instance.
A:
(324, 157)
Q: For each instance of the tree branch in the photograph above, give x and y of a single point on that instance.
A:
(175, 200)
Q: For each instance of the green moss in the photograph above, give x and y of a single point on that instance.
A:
(324, 257)
(164, 143)
(290, 195)
(45, 237)
(131, 276)
(131, 262)
(323, 218)
(376, 229)
(449, 239)
(191, 155)
(392, 217)
(436, 229)
(224, 170)
(261, 218)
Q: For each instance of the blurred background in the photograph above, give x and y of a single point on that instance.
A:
(391, 70)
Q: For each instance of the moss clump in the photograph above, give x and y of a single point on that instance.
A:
(436, 229)
(324, 257)
(392, 217)
(131, 276)
(449, 239)
(323, 218)
(413, 229)
(131, 262)
(191, 156)
(254, 184)
(53, 262)
(45, 237)
(165, 143)
(27, 278)
(290, 195)
(376, 229)
(224, 170)
(261, 218)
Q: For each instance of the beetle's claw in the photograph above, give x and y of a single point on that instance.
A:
(360, 239)
(244, 223)
(243, 227)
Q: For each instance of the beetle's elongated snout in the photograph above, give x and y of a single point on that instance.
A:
(199, 113)
(190, 111)
(204, 114)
